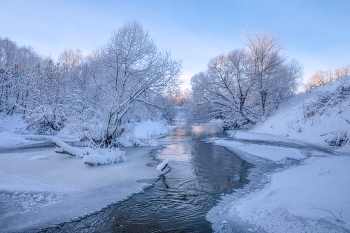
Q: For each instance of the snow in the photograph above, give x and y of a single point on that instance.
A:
(111, 156)
(260, 137)
(308, 191)
(273, 153)
(61, 187)
(146, 129)
(67, 148)
(163, 165)
(37, 157)
(326, 118)
(313, 197)
(11, 139)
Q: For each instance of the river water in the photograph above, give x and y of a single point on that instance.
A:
(179, 200)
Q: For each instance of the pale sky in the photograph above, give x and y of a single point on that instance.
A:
(315, 32)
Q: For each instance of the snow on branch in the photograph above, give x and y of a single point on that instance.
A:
(66, 149)
(163, 165)
(90, 156)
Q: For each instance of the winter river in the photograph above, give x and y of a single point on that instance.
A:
(207, 176)
(181, 198)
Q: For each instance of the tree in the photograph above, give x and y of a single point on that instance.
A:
(322, 78)
(127, 72)
(245, 84)
(70, 59)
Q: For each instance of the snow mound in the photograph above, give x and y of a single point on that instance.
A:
(112, 156)
(37, 157)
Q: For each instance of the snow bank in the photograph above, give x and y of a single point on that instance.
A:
(322, 116)
(273, 153)
(110, 157)
(145, 133)
(259, 137)
(11, 139)
(148, 129)
(319, 191)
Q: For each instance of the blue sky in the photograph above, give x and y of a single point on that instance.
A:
(315, 32)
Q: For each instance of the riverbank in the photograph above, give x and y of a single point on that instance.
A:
(40, 188)
(294, 188)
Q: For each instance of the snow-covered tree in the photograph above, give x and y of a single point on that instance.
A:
(245, 84)
(128, 72)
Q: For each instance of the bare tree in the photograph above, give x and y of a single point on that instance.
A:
(70, 59)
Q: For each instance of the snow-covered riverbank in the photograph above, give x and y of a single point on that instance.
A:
(312, 197)
(301, 179)
(41, 188)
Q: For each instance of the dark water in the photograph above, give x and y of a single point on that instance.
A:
(179, 201)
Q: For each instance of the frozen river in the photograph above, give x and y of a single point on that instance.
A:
(180, 199)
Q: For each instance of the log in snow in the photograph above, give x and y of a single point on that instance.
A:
(66, 149)
(163, 165)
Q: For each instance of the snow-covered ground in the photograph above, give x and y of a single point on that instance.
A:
(39, 187)
(317, 117)
(36, 191)
(316, 191)
(312, 197)
(284, 197)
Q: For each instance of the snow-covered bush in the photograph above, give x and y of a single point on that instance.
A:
(324, 100)
(337, 138)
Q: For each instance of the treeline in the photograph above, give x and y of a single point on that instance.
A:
(128, 79)
(325, 77)
(246, 84)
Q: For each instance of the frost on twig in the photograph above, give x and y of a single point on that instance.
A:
(335, 214)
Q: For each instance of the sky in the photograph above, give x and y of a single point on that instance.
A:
(315, 32)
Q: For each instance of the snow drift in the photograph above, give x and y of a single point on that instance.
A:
(321, 116)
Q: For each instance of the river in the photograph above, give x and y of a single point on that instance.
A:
(199, 173)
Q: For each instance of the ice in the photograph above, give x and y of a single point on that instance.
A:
(260, 137)
(37, 157)
(66, 187)
(274, 153)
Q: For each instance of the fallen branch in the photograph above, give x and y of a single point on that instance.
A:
(64, 148)
(163, 165)
(338, 219)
